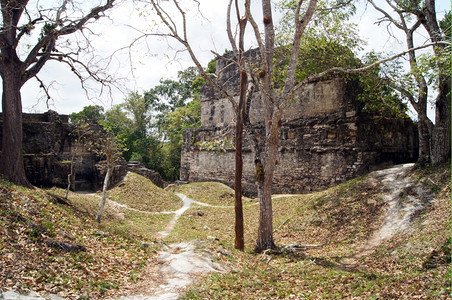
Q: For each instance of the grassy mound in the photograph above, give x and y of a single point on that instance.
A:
(412, 264)
(213, 193)
(139, 193)
(53, 245)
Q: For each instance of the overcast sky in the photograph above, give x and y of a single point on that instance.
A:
(157, 58)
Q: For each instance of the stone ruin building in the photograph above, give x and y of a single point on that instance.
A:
(48, 144)
(325, 139)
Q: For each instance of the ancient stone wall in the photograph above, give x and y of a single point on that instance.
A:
(48, 144)
(325, 139)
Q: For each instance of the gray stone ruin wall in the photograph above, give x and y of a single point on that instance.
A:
(325, 139)
(48, 145)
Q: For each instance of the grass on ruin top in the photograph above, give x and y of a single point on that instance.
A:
(140, 193)
(213, 193)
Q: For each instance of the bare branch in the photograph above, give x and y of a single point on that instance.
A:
(48, 41)
(44, 88)
(184, 41)
(339, 70)
(257, 34)
(387, 16)
(299, 30)
(229, 29)
(26, 29)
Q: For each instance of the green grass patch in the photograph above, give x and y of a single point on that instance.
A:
(140, 193)
(213, 193)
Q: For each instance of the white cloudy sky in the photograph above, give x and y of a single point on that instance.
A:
(154, 59)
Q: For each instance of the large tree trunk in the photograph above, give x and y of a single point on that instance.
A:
(424, 128)
(441, 140)
(11, 161)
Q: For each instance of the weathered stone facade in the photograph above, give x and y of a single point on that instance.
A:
(325, 139)
(48, 145)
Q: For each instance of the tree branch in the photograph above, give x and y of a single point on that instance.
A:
(48, 41)
(184, 41)
(339, 70)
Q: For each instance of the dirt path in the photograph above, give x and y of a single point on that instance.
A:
(403, 199)
(179, 264)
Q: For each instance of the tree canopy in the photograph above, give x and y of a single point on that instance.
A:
(31, 35)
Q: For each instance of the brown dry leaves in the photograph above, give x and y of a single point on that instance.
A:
(28, 219)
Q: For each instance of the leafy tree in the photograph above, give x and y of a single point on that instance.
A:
(182, 118)
(176, 106)
(91, 112)
(117, 121)
(409, 17)
(131, 120)
(151, 124)
(24, 53)
(377, 95)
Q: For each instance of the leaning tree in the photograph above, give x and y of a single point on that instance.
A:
(31, 35)
(410, 17)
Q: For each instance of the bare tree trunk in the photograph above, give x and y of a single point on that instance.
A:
(71, 176)
(11, 162)
(424, 128)
(265, 231)
(240, 119)
(104, 190)
(239, 236)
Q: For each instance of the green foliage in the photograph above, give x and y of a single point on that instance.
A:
(90, 112)
(47, 29)
(151, 124)
(329, 41)
(377, 95)
(211, 66)
(332, 41)
(445, 25)
(182, 118)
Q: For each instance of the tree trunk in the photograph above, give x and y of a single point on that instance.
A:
(265, 231)
(239, 236)
(11, 161)
(441, 139)
(424, 128)
(104, 191)
(240, 119)
(71, 176)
